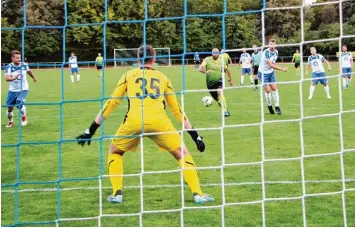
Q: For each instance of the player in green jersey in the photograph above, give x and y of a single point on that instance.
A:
(227, 60)
(256, 58)
(297, 60)
(212, 67)
(98, 64)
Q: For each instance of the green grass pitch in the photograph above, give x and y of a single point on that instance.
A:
(80, 198)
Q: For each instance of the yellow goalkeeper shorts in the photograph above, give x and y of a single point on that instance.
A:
(127, 137)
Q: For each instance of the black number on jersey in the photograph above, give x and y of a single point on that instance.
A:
(154, 85)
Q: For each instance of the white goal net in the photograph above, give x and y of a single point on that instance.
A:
(294, 169)
(125, 57)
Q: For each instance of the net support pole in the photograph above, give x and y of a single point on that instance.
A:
(340, 117)
(262, 122)
(304, 215)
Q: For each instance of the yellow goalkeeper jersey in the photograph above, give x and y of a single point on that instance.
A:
(147, 90)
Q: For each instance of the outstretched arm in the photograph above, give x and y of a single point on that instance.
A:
(203, 67)
(329, 66)
(110, 105)
(274, 66)
(181, 116)
(114, 101)
(30, 73)
(307, 69)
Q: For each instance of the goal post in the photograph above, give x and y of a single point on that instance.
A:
(126, 57)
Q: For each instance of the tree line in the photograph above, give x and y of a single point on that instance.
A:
(201, 33)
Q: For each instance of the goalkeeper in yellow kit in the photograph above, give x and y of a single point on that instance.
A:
(146, 89)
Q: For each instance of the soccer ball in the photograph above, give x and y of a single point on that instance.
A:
(207, 101)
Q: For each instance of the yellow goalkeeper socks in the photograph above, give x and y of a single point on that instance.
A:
(115, 167)
(190, 174)
(221, 99)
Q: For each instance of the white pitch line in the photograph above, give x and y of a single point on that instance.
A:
(177, 185)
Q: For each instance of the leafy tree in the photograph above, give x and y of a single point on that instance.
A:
(202, 33)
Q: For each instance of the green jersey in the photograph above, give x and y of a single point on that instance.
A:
(256, 58)
(215, 66)
(226, 57)
(99, 60)
(297, 57)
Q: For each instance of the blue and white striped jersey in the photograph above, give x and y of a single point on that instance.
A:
(245, 58)
(266, 56)
(345, 59)
(316, 61)
(21, 82)
(73, 61)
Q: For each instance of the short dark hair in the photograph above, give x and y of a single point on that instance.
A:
(150, 53)
(272, 41)
(15, 52)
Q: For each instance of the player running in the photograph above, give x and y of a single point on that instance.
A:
(346, 66)
(98, 64)
(146, 89)
(73, 67)
(267, 76)
(16, 74)
(245, 59)
(212, 67)
(196, 60)
(256, 58)
(227, 60)
(297, 60)
(316, 61)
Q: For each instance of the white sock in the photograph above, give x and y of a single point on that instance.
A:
(251, 79)
(268, 98)
(311, 90)
(326, 89)
(242, 79)
(275, 95)
(344, 81)
(72, 78)
(349, 80)
(78, 77)
(10, 116)
(23, 110)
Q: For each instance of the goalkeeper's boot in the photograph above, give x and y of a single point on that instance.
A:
(278, 110)
(271, 110)
(117, 198)
(205, 198)
(24, 121)
(256, 88)
(10, 124)
(227, 114)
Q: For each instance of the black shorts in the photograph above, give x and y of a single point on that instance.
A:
(216, 85)
(98, 67)
(297, 65)
(256, 70)
(197, 61)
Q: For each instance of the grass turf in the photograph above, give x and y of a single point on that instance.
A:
(40, 166)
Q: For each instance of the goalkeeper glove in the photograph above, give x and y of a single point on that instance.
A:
(87, 135)
(197, 139)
